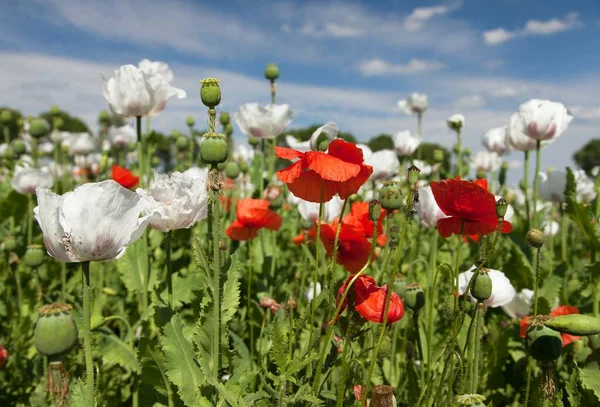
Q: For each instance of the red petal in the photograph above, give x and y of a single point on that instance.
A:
(564, 310)
(347, 188)
(292, 172)
(308, 187)
(370, 301)
(287, 153)
(238, 231)
(343, 150)
(331, 168)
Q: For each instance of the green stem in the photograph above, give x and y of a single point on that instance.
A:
(140, 148)
(477, 350)
(459, 153)
(316, 273)
(536, 182)
(529, 374)
(19, 290)
(249, 300)
(87, 332)
(431, 282)
(29, 219)
(34, 152)
(536, 283)
(168, 239)
(420, 132)
(564, 229)
(334, 256)
(420, 348)
(191, 147)
(216, 265)
(6, 135)
(457, 266)
(526, 191)
(344, 372)
(273, 91)
(63, 282)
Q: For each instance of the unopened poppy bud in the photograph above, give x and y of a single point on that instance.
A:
(10, 243)
(467, 151)
(34, 256)
(501, 207)
(543, 343)
(175, 134)
(272, 72)
(3, 355)
(353, 198)
(232, 170)
(448, 307)
(414, 298)
(182, 143)
(535, 238)
(386, 346)
(190, 121)
(155, 161)
(438, 155)
(228, 129)
(244, 167)
(390, 196)
(5, 116)
(210, 92)
(224, 118)
(253, 141)
(323, 145)
(456, 149)
(55, 331)
(374, 210)
(413, 175)
(54, 110)
(574, 324)
(38, 128)
(18, 146)
(104, 117)
(214, 148)
(482, 288)
(57, 123)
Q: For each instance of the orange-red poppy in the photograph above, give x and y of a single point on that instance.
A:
(318, 176)
(124, 177)
(359, 212)
(560, 310)
(252, 215)
(368, 299)
(470, 206)
(311, 234)
(354, 248)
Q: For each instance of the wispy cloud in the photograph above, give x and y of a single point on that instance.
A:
(420, 15)
(533, 27)
(470, 102)
(376, 67)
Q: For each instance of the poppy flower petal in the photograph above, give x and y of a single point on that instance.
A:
(343, 150)
(287, 153)
(564, 310)
(448, 226)
(331, 168)
(290, 173)
(370, 301)
(347, 188)
(238, 231)
(308, 187)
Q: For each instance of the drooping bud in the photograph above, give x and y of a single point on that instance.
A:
(190, 121)
(543, 343)
(55, 331)
(390, 196)
(214, 149)
(210, 92)
(574, 324)
(272, 72)
(38, 128)
(374, 210)
(34, 256)
(413, 175)
(535, 238)
(448, 307)
(232, 170)
(224, 118)
(482, 288)
(414, 298)
(501, 207)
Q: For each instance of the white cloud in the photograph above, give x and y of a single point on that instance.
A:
(533, 27)
(470, 102)
(335, 30)
(585, 112)
(376, 67)
(421, 15)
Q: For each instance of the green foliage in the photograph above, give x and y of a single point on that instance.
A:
(588, 156)
(579, 213)
(381, 142)
(13, 126)
(69, 123)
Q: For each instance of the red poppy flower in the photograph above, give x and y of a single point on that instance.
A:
(124, 177)
(311, 234)
(359, 212)
(469, 204)
(561, 310)
(3, 355)
(252, 215)
(354, 248)
(318, 175)
(369, 300)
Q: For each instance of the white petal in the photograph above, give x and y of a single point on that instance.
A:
(46, 214)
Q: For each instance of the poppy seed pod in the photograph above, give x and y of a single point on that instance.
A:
(104, 117)
(224, 118)
(535, 238)
(543, 343)
(34, 256)
(228, 129)
(438, 155)
(232, 170)
(58, 123)
(55, 331)
(390, 196)
(54, 110)
(467, 151)
(374, 210)
(399, 285)
(8, 153)
(253, 141)
(38, 128)
(501, 207)
(210, 92)
(5, 116)
(18, 146)
(190, 121)
(272, 72)
(244, 167)
(482, 289)
(10, 243)
(175, 134)
(182, 143)
(574, 324)
(414, 298)
(413, 175)
(214, 149)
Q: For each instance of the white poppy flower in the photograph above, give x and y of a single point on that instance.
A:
(131, 92)
(46, 147)
(516, 137)
(486, 161)
(95, 222)
(196, 173)
(502, 290)
(405, 143)
(310, 291)
(25, 180)
(366, 150)
(122, 137)
(385, 164)
(242, 153)
(495, 140)
(58, 136)
(550, 228)
(178, 201)
(293, 143)
(329, 129)
(309, 211)
(455, 122)
(152, 68)
(263, 121)
(543, 119)
(552, 186)
(520, 306)
(427, 208)
(82, 144)
(415, 103)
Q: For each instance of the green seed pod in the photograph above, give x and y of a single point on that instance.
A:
(18, 146)
(323, 145)
(374, 210)
(210, 92)
(232, 170)
(190, 121)
(10, 243)
(132, 147)
(390, 196)
(253, 141)
(272, 72)
(467, 151)
(5, 116)
(438, 155)
(502, 175)
(34, 256)
(481, 174)
(501, 207)
(399, 285)
(104, 117)
(575, 324)
(214, 149)
(38, 128)
(175, 134)
(8, 153)
(224, 118)
(55, 331)
(413, 175)
(58, 123)
(228, 129)
(244, 167)
(535, 238)
(543, 343)
(482, 289)
(414, 298)
(456, 149)
(54, 110)
(182, 143)
(448, 307)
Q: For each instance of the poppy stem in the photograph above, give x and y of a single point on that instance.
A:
(432, 283)
(140, 148)
(529, 374)
(334, 256)
(459, 152)
(536, 181)
(87, 332)
(216, 267)
(457, 266)
(525, 187)
(344, 370)
(316, 273)
(249, 299)
(537, 280)
(168, 238)
(29, 219)
(420, 132)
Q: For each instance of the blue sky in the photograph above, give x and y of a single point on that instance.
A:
(344, 61)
